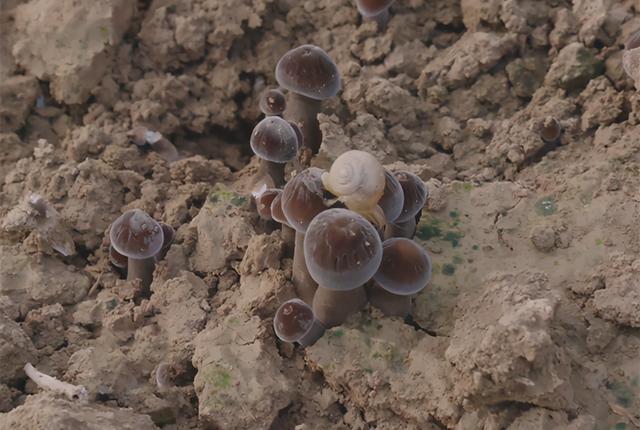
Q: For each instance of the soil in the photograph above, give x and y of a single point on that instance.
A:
(532, 318)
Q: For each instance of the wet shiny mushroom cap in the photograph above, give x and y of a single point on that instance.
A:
(293, 320)
(136, 235)
(273, 139)
(551, 130)
(372, 7)
(392, 199)
(405, 268)
(303, 198)
(272, 102)
(168, 234)
(415, 194)
(264, 200)
(309, 71)
(342, 249)
(276, 210)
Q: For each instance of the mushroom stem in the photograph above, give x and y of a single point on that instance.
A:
(288, 235)
(315, 332)
(46, 382)
(303, 111)
(402, 229)
(274, 170)
(382, 19)
(333, 307)
(392, 305)
(141, 269)
(302, 280)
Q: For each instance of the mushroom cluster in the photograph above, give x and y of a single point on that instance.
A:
(351, 225)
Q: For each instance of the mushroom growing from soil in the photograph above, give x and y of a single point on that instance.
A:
(295, 322)
(342, 251)
(264, 198)
(287, 232)
(140, 238)
(404, 271)
(303, 199)
(415, 196)
(142, 136)
(276, 143)
(358, 180)
(392, 200)
(550, 130)
(310, 76)
(272, 102)
(375, 10)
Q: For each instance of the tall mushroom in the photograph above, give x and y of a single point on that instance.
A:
(404, 271)
(138, 237)
(342, 251)
(310, 76)
(303, 199)
(295, 322)
(276, 143)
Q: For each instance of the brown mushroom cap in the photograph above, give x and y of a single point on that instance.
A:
(272, 102)
(117, 259)
(273, 139)
(392, 199)
(342, 249)
(293, 320)
(136, 235)
(264, 200)
(303, 198)
(633, 42)
(372, 7)
(415, 194)
(551, 130)
(276, 210)
(309, 71)
(405, 268)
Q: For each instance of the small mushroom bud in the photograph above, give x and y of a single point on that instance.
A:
(550, 130)
(375, 10)
(310, 76)
(138, 237)
(142, 136)
(631, 58)
(287, 232)
(168, 234)
(357, 179)
(295, 322)
(404, 271)
(302, 200)
(342, 251)
(275, 142)
(415, 195)
(117, 259)
(392, 199)
(264, 200)
(272, 102)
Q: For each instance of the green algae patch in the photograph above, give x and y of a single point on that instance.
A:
(222, 193)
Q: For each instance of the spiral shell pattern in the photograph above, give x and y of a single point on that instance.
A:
(357, 178)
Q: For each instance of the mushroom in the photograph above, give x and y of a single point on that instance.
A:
(375, 10)
(272, 102)
(117, 259)
(142, 136)
(303, 199)
(415, 196)
(288, 233)
(276, 143)
(295, 322)
(168, 234)
(550, 130)
(392, 199)
(138, 237)
(264, 198)
(404, 271)
(310, 76)
(357, 178)
(631, 58)
(342, 251)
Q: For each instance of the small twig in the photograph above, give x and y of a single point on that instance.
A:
(623, 412)
(46, 382)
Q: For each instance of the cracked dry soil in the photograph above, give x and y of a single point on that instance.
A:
(532, 317)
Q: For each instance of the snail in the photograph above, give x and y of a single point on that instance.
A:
(357, 179)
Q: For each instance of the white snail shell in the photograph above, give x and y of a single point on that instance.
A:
(357, 178)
